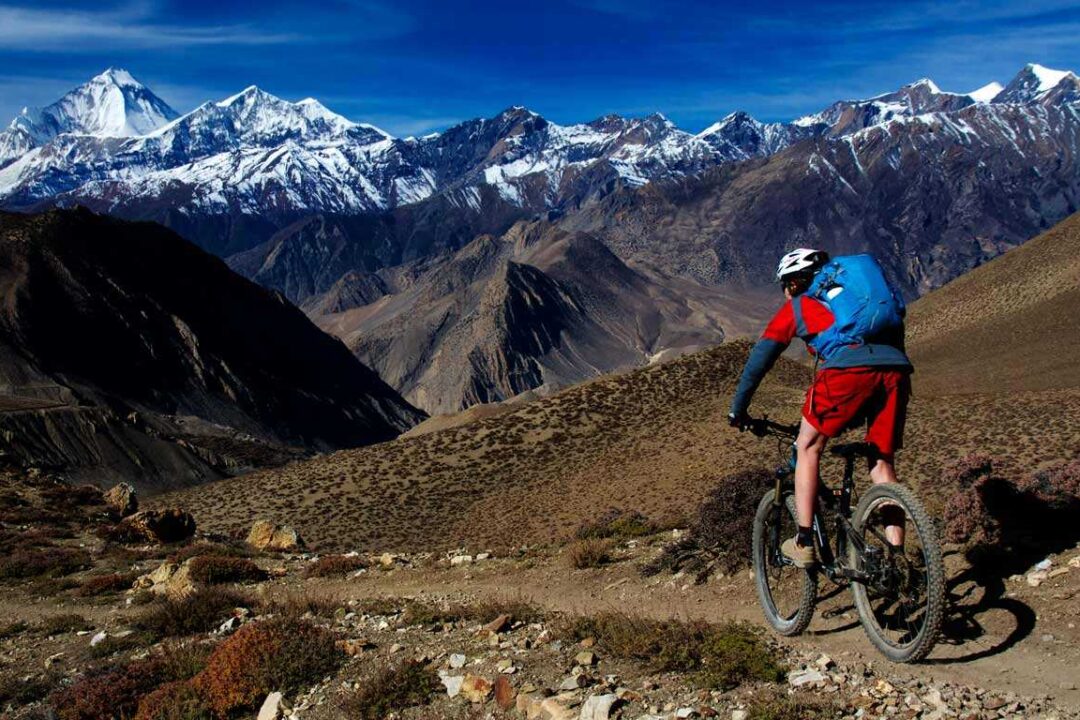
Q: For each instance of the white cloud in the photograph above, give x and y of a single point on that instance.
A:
(68, 30)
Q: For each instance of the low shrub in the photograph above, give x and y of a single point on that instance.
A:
(279, 654)
(297, 604)
(13, 629)
(102, 584)
(720, 538)
(590, 553)
(177, 700)
(1004, 525)
(781, 707)
(722, 656)
(119, 533)
(617, 524)
(202, 611)
(61, 495)
(391, 689)
(60, 624)
(427, 612)
(19, 690)
(218, 569)
(330, 565)
(107, 693)
(43, 562)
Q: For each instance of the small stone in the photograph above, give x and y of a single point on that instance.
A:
(806, 677)
(825, 662)
(482, 556)
(271, 708)
(395, 648)
(475, 689)
(686, 712)
(574, 682)
(498, 625)
(504, 693)
(585, 658)
(1074, 562)
(355, 646)
(1036, 579)
(98, 639)
(588, 642)
(452, 683)
(1044, 564)
(229, 625)
(739, 714)
(461, 560)
(457, 660)
(598, 707)
(1057, 572)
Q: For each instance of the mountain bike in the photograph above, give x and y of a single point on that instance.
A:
(899, 590)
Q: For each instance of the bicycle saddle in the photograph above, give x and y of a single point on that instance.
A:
(853, 450)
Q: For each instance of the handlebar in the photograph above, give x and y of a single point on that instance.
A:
(763, 427)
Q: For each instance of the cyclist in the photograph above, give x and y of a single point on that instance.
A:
(869, 381)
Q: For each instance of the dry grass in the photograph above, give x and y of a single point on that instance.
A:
(202, 611)
(218, 569)
(105, 584)
(331, 565)
(389, 689)
(723, 656)
(588, 553)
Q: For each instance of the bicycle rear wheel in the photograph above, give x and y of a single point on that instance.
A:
(787, 593)
(903, 600)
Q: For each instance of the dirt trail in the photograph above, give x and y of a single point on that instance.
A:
(999, 644)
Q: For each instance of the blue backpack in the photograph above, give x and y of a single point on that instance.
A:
(862, 302)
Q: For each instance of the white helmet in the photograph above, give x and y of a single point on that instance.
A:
(801, 261)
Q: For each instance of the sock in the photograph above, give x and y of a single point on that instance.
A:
(804, 537)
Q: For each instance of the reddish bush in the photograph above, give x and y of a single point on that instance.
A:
(217, 569)
(261, 657)
(102, 584)
(177, 700)
(107, 694)
(330, 565)
(43, 562)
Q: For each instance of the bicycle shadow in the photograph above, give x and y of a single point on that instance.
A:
(970, 597)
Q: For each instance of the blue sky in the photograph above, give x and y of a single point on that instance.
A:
(412, 67)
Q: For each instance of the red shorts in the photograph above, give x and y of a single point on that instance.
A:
(842, 398)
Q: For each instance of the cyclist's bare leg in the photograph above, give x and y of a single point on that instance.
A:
(883, 471)
(808, 449)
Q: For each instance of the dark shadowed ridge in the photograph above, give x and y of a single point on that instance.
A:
(130, 320)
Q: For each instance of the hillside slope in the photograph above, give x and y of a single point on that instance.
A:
(1009, 325)
(134, 321)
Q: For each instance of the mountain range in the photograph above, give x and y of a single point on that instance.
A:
(512, 253)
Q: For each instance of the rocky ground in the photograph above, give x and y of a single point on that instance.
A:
(464, 634)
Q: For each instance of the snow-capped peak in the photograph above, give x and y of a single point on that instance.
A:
(928, 84)
(112, 104)
(987, 92)
(1048, 79)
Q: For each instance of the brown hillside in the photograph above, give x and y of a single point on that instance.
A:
(1009, 325)
(653, 440)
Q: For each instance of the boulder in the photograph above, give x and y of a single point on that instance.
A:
(265, 535)
(122, 500)
(161, 526)
(168, 579)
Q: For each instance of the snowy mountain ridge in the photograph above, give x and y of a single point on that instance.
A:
(113, 145)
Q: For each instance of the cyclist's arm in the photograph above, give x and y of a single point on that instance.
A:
(776, 338)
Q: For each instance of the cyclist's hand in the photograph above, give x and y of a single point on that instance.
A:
(740, 420)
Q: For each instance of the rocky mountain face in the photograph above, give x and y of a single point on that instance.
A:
(536, 308)
(123, 340)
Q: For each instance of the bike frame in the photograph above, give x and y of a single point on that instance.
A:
(835, 504)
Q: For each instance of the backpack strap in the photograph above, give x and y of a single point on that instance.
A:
(800, 324)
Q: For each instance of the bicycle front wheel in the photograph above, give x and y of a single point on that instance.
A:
(902, 601)
(787, 593)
